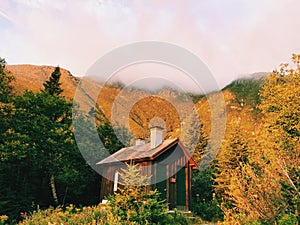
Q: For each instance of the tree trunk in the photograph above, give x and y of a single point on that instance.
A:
(53, 189)
(64, 199)
(297, 215)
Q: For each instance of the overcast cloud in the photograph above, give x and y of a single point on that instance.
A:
(232, 37)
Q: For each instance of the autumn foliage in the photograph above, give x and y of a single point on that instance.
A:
(255, 178)
(258, 179)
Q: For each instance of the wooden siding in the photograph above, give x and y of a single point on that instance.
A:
(176, 189)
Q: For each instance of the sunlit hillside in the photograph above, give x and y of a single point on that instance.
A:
(171, 106)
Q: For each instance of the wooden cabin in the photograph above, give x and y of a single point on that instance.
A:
(167, 162)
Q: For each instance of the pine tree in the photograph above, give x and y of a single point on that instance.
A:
(110, 135)
(53, 86)
(194, 139)
(133, 203)
(233, 154)
(5, 80)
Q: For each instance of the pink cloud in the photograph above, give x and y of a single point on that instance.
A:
(232, 37)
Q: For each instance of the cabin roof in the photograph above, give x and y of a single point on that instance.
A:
(143, 152)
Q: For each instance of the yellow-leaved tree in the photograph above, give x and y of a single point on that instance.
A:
(258, 179)
(233, 156)
(280, 132)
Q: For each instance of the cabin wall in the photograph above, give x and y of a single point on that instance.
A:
(107, 183)
(175, 189)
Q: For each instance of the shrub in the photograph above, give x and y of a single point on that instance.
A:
(3, 218)
(71, 215)
(133, 204)
(288, 219)
(204, 203)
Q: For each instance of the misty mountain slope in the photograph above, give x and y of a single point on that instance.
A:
(135, 108)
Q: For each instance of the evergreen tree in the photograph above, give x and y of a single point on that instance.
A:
(233, 154)
(53, 86)
(110, 136)
(204, 201)
(5, 94)
(134, 204)
(40, 164)
(5, 80)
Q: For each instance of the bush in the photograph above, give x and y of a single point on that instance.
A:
(204, 203)
(71, 215)
(133, 204)
(209, 211)
(178, 219)
(3, 218)
(288, 219)
(95, 215)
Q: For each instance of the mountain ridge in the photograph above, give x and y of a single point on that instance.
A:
(32, 77)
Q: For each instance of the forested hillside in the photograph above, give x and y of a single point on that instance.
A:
(253, 180)
(240, 95)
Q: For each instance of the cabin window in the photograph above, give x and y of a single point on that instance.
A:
(116, 180)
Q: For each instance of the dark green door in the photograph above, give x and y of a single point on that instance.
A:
(181, 188)
(172, 192)
(161, 176)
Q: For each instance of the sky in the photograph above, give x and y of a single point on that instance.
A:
(233, 37)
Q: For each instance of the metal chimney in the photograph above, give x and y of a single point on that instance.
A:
(156, 137)
(139, 142)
